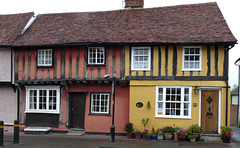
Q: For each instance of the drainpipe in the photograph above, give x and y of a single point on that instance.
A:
(227, 48)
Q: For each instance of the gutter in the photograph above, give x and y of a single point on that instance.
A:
(227, 48)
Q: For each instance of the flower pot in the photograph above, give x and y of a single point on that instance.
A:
(198, 137)
(182, 138)
(160, 137)
(148, 137)
(154, 136)
(192, 140)
(144, 136)
(168, 136)
(138, 136)
(129, 135)
(175, 136)
(225, 139)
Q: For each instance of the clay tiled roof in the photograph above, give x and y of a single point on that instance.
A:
(195, 23)
(11, 26)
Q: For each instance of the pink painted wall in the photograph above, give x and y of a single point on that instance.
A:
(102, 123)
(8, 105)
(5, 65)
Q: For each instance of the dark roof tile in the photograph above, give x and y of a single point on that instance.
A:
(12, 25)
(195, 23)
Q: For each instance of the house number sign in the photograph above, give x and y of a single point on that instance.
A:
(139, 104)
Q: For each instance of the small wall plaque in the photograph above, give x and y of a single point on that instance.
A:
(139, 104)
(195, 104)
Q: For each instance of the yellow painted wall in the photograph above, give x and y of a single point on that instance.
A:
(170, 63)
(144, 91)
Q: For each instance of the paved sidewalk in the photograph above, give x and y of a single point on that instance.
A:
(101, 141)
(236, 134)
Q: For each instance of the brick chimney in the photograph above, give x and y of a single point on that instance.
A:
(133, 4)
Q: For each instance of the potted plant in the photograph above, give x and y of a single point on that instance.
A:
(144, 133)
(148, 135)
(192, 138)
(160, 134)
(137, 134)
(175, 130)
(129, 129)
(196, 129)
(168, 132)
(182, 134)
(154, 134)
(144, 122)
(226, 133)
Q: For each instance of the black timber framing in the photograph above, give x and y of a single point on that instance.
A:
(181, 78)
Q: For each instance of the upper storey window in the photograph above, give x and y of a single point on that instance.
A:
(45, 57)
(192, 58)
(141, 58)
(96, 55)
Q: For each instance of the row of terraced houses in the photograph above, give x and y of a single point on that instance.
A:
(170, 63)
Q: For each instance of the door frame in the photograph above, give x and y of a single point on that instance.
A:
(70, 106)
(219, 104)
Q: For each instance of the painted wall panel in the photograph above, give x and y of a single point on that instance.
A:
(8, 105)
(5, 65)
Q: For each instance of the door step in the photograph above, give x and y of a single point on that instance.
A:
(76, 132)
(211, 137)
(37, 130)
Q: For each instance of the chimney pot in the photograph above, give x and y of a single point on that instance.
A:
(133, 3)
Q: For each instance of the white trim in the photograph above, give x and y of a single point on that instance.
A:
(149, 59)
(44, 56)
(108, 101)
(200, 59)
(96, 58)
(47, 110)
(219, 104)
(182, 103)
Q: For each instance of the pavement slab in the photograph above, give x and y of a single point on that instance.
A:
(54, 140)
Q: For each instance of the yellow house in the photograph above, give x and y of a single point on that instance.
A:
(182, 79)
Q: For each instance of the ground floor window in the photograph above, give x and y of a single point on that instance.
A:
(100, 103)
(44, 99)
(173, 101)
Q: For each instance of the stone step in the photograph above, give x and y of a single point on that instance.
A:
(37, 130)
(211, 137)
(76, 132)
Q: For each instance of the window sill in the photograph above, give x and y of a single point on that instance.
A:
(50, 66)
(140, 69)
(98, 114)
(96, 64)
(192, 70)
(173, 117)
(42, 112)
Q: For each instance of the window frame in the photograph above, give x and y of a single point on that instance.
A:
(182, 102)
(44, 62)
(47, 110)
(149, 58)
(108, 105)
(200, 59)
(96, 63)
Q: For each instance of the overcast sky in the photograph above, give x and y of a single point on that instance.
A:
(229, 8)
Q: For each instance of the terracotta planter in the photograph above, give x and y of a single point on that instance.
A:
(175, 136)
(198, 137)
(168, 136)
(226, 139)
(182, 138)
(129, 135)
(144, 136)
(138, 136)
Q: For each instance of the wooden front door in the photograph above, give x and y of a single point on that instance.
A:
(77, 110)
(209, 111)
